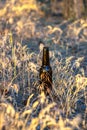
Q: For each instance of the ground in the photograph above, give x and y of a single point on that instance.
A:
(24, 30)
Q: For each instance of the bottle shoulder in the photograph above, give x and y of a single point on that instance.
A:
(46, 68)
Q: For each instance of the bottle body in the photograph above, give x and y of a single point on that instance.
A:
(45, 72)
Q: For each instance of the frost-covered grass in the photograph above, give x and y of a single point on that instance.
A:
(22, 106)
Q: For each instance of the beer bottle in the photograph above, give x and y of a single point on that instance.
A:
(45, 73)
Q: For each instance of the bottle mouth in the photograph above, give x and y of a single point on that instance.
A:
(46, 48)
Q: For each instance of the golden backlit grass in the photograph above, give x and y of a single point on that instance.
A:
(14, 8)
(63, 95)
(19, 74)
(47, 117)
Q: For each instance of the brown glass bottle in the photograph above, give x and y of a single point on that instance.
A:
(46, 71)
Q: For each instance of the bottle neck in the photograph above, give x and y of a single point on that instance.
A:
(45, 60)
